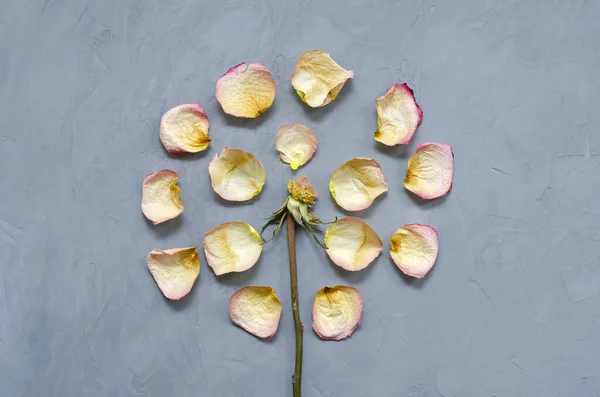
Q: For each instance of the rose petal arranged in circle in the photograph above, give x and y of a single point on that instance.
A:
(256, 310)
(398, 116)
(160, 196)
(430, 170)
(352, 244)
(318, 79)
(232, 247)
(357, 183)
(296, 144)
(414, 249)
(336, 312)
(246, 90)
(174, 270)
(236, 175)
(184, 129)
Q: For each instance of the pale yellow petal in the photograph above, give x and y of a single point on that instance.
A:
(430, 170)
(336, 312)
(414, 249)
(357, 183)
(296, 144)
(236, 175)
(318, 79)
(246, 90)
(256, 310)
(232, 247)
(174, 270)
(160, 196)
(398, 116)
(184, 129)
(352, 244)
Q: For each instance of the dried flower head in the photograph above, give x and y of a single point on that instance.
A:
(302, 190)
(302, 196)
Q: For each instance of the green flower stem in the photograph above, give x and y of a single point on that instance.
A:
(291, 237)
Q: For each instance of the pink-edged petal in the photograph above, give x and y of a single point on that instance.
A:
(357, 183)
(160, 196)
(246, 90)
(430, 170)
(296, 144)
(336, 312)
(174, 270)
(232, 247)
(352, 244)
(414, 249)
(184, 129)
(236, 175)
(256, 309)
(398, 116)
(318, 79)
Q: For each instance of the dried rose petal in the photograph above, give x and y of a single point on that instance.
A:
(430, 170)
(398, 116)
(160, 196)
(318, 79)
(296, 144)
(414, 249)
(352, 244)
(256, 310)
(232, 247)
(357, 183)
(236, 175)
(246, 90)
(184, 129)
(337, 311)
(174, 270)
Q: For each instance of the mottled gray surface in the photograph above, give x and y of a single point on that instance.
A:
(512, 307)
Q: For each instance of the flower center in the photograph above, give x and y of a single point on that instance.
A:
(302, 190)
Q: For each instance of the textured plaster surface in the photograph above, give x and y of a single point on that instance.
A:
(512, 307)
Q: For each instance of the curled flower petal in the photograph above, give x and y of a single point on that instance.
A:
(430, 170)
(236, 175)
(296, 144)
(184, 129)
(352, 244)
(246, 90)
(256, 310)
(232, 247)
(318, 79)
(414, 249)
(174, 270)
(337, 311)
(160, 196)
(398, 116)
(357, 183)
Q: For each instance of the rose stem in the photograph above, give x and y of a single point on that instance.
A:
(291, 237)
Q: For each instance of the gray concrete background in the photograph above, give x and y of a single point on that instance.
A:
(512, 307)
